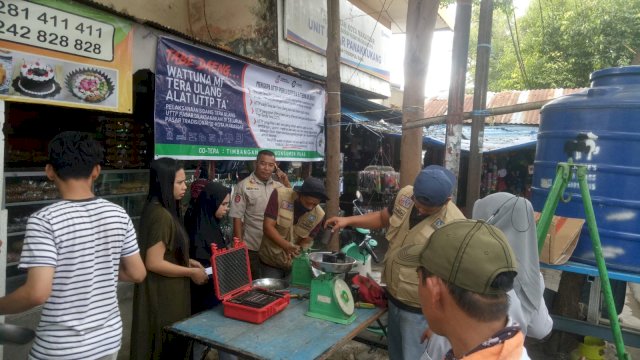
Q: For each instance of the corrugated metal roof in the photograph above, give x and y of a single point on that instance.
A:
(437, 106)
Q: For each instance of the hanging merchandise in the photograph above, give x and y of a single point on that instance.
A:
(378, 179)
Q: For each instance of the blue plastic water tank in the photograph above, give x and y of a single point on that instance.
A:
(600, 127)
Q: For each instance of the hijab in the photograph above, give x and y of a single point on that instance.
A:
(514, 216)
(204, 227)
(162, 175)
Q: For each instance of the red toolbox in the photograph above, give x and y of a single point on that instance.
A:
(233, 285)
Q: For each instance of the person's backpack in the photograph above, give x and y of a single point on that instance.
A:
(370, 291)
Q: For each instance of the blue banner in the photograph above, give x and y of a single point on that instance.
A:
(210, 106)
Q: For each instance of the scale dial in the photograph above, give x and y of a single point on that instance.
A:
(342, 295)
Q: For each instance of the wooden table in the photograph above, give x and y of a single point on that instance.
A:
(287, 335)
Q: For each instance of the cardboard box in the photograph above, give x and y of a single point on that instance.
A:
(561, 239)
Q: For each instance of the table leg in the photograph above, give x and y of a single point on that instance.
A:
(382, 327)
(593, 312)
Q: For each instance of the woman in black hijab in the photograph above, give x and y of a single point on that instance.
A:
(204, 229)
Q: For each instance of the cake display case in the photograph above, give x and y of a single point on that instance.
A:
(29, 191)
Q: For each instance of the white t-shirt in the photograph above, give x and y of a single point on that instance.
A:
(83, 241)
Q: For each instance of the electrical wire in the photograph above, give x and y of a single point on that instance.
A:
(204, 12)
(524, 70)
(516, 47)
(541, 20)
(190, 22)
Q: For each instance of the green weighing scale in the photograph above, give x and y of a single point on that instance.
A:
(330, 297)
(301, 273)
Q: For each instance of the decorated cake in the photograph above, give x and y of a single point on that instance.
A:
(89, 85)
(3, 74)
(36, 79)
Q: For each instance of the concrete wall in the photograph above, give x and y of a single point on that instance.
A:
(245, 27)
(173, 14)
(250, 28)
(395, 100)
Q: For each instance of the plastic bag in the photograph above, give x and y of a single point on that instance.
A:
(370, 291)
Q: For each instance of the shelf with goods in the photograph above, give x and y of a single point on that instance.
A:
(28, 191)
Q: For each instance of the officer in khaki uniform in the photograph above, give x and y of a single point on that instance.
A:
(291, 220)
(249, 202)
(415, 214)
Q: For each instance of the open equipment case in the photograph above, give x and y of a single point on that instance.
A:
(233, 285)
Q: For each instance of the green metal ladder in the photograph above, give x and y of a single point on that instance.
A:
(564, 174)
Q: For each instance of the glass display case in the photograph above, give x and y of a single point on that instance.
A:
(29, 191)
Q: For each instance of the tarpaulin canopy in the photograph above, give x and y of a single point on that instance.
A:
(496, 138)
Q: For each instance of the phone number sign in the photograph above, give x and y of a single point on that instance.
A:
(44, 27)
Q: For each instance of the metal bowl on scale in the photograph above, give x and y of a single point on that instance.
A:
(342, 265)
(270, 284)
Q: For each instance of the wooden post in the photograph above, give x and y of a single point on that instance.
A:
(421, 21)
(456, 87)
(305, 170)
(474, 175)
(333, 114)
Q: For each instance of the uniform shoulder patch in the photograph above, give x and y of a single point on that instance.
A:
(399, 212)
(238, 198)
(286, 205)
(438, 223)
(405, 201)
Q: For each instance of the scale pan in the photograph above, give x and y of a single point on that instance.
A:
(334, 268)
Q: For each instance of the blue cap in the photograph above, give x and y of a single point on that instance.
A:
(434, 185)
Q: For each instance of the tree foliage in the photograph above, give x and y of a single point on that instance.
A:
(560, 42)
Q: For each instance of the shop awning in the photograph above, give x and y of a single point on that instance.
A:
(496, 138)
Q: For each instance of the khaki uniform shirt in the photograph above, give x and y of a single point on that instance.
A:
(402, 281)
(248, 204)
(270, 252)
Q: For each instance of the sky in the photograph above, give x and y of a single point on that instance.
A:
(439, 69)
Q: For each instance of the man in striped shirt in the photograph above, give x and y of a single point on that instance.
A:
(75, 251)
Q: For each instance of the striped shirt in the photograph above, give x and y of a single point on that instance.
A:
(83, 241)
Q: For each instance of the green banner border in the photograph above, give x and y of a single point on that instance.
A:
(206, 151)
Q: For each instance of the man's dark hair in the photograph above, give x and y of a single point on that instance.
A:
(265, 153)
(481, 307)
(74, 154)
